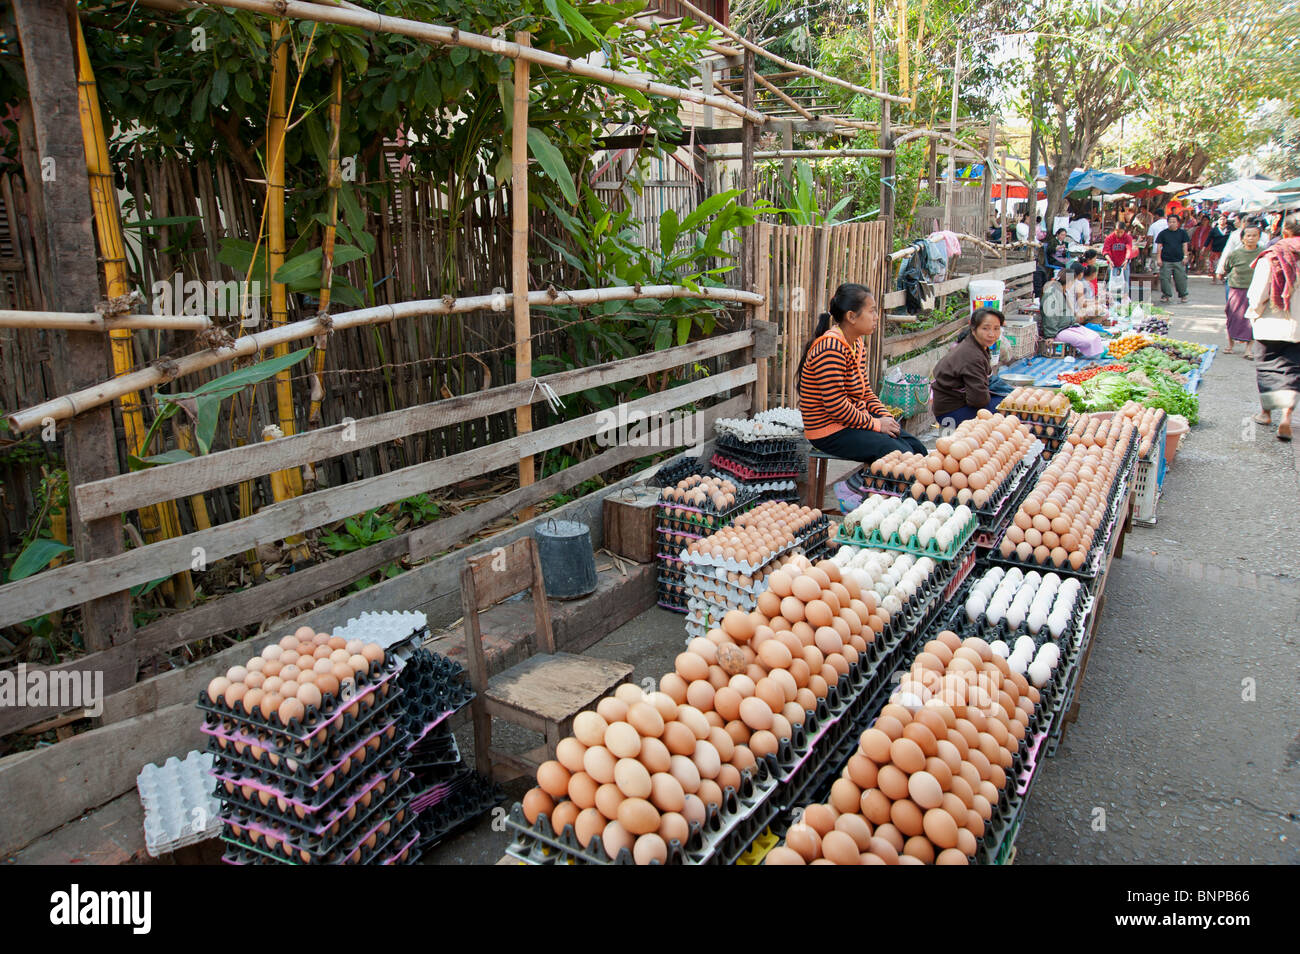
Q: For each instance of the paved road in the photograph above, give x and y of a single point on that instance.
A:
(1188, 739)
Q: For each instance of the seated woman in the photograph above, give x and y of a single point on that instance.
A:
(1059, 316)
(841, 414)
(960, 387)
(1087, 305)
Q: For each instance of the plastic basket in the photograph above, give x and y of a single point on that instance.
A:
(910, 394)
(1149, 477)
(1019, 340)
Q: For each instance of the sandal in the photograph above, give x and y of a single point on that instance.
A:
(1248, 356)
(1284, 433)
(1263, 419)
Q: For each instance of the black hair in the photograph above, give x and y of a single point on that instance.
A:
(1077, 269)
(979, 314)
(1089, 271)
(1089, 255)
(1174, 215)
(1291, 224)
(849, 297)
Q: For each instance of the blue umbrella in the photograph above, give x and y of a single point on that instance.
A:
(1087, 181)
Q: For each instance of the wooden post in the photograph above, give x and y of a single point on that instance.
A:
(988, 182)
(888, 165)
(787, 143)
(952, 156)
(1005, 204)
(763, 285)
(519, 257)
(932, 169)
(706, 85)
(747, 175)
(78, 359)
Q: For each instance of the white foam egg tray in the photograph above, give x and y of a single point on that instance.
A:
(387, 629)
(179, 805)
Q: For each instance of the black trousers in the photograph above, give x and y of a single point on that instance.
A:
(866, 446)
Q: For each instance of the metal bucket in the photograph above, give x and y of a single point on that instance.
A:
(568, 562)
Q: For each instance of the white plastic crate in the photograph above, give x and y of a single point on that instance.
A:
(1148, 477)
(179, 805)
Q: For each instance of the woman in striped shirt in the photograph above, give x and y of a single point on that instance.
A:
(841, 414)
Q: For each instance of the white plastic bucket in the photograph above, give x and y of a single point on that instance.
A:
(986, 293)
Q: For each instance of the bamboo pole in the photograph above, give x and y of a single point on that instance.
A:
(69, 405)
(757, 50)
(452, 36)
(871, 33)
(920, 47)
(519, 256)
(952, 155)
(904, 80)
(335, 179)
(161, 521)
(94, 321)
(779, 94)
(824, 154)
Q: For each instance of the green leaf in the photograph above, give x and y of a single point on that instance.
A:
(209, 413)
(220, 87)
(552, 162)
(167, 457)
(35, 557)
(669, 228)
(683, 329)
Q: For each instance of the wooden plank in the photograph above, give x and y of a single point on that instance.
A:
(78, 359)
(557, 687)
(519, 252)
(629, 522)
(896, 299)
(68, 585)
(132, 491)
(502, 572)
(902, 344)
(406, 590)
(53, 785)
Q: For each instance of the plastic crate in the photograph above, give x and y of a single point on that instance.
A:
(1149, 478)
(1018, 341)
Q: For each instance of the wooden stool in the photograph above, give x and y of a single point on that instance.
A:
(816, 492)
(1150, 279)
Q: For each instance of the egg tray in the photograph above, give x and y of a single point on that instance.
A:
(223, 741)
(1035, 417)
(675, 471)
(719, 840)
(989, 632)
(463, 807)
(856, 538)
(312, 821)
(313, 734)
(407, 854)
(768, 471)
(706, 516)
(886, 486)
(242, 853)
(1011, 485)
(1092, 563)
(434, 792)
(1057, 430)
(298, 783)
(760, 446)
(347, 850)
(317, 844)
(808, 537)
(436, 760)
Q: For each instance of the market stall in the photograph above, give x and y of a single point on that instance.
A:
(878, 687)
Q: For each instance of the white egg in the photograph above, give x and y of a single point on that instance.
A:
(1037, 620)
(1033, 576)
(1039, 673)
(1056, 625)
(1049, 654)
(1025, 647)
(975, 606)
(1015, 616)
(1017, 663)
(995, 613)
(943, 538)
(1000, 648)
(924, 536)
(908, 701)
(1053, 579)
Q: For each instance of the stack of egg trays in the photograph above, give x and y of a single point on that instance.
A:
(886, 486)
(727, 832)
(989, 632)
(1010, 484)
(789, 467)
(179, 807)
(467, 797)
(675, 471)
(1051, 420)
(702, 521)
(765, 452)
(782, 489)
(433, 687)
(354, 831)
(304, 741)
(672, 584)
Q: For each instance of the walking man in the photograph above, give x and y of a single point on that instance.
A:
(1171, 246)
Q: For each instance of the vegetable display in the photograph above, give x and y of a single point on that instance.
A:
(1127, 344)
(1078, 377)
(1151, 387)
(1153, 357)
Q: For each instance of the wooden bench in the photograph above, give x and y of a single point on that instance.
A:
(817, 478)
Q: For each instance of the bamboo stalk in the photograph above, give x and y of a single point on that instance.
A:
(327, 243)
(904, 81)
(198, 503)
(519, 256)
(94, 321)
(871, 33)
(757, 50)
(157, 522)
(452, 36)
(66, 406)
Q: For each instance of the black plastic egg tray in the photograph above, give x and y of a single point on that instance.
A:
(316, 820)
(472, 796)
(759, 451)
(305, 741)
(256, 827)
(312, 787)
(673, 542)
(433, 687)
(727, 832)
(675, 471)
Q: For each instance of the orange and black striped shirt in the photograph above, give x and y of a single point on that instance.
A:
(833, 389)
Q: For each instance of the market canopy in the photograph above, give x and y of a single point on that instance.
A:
(1291, 185)
(1100, 182)
(1257, 190)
